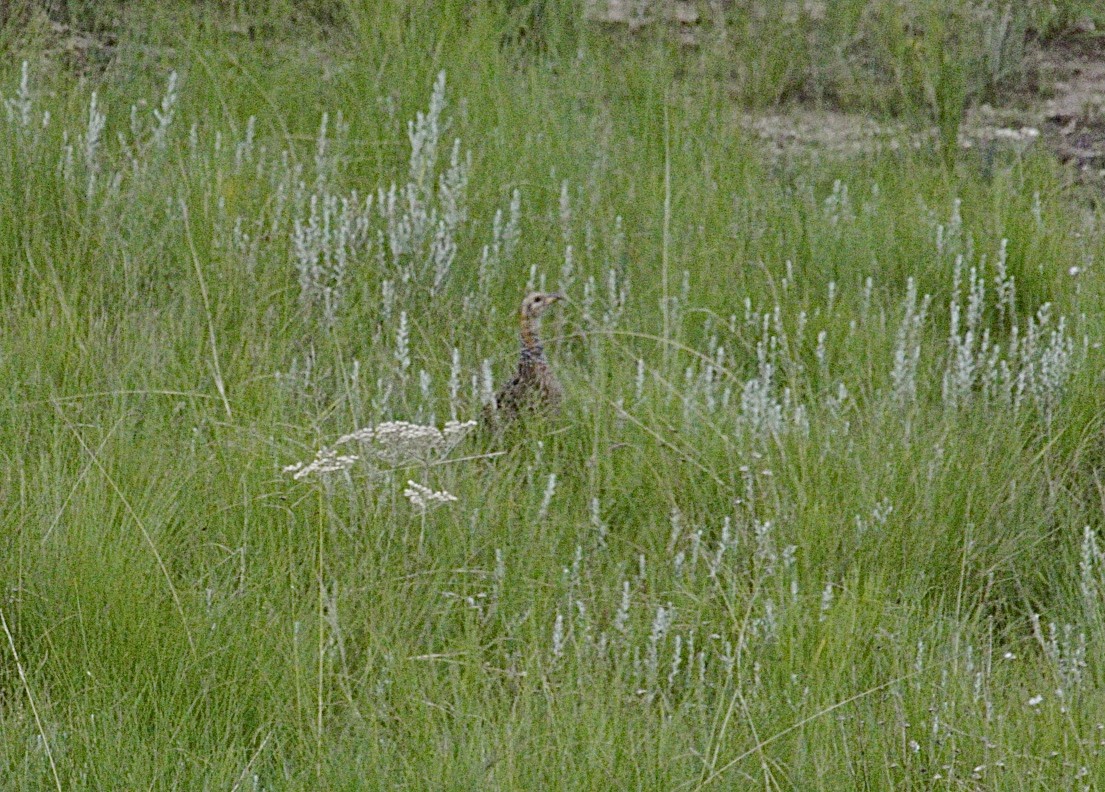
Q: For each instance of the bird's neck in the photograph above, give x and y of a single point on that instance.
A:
(532, 350)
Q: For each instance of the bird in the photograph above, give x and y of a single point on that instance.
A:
(534, 386)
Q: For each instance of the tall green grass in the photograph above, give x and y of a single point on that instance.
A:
(802, 534)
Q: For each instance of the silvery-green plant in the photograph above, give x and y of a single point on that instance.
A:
(97, 119)
(20, 106)
(166, 112)
(329, 233)
(907, 347)
(423, 216)
(1034, 364)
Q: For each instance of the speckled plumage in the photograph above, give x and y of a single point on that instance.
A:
(533, 386)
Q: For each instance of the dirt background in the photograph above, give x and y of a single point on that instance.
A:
(1063, 107)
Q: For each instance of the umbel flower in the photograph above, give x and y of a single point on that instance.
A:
(395, 443)
(423, 498)
(401, 442)
(326, 461)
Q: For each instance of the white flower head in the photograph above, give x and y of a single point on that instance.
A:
(364, 435)
(393, 442)
(423, 498)
(326, 461)
(400, 442)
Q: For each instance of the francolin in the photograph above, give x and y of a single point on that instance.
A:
(533, 387)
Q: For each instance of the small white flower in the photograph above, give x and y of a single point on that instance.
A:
(326, 461)
(1073, 271)
(364, 435)
(423, 498)
(1035, 701)
(454, 431)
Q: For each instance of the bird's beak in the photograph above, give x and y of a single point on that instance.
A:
(557, 296)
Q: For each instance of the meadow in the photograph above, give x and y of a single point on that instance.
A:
(823, 506)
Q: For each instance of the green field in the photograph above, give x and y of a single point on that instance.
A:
(823, 508)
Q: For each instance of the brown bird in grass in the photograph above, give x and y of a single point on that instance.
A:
(534, 386)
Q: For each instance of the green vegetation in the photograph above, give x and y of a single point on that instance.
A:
(823, 507)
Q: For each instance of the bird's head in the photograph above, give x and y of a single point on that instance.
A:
(536, 303)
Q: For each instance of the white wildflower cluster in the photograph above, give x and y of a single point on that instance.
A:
(558, 636)
(486, 383)
(877, 520)
(992, 353)
(82, 153)
(401, 442)
(454, 384)
(567, 271)
(396, 443)
(950, 237)
(402, 347)
(244, 150)
(423, 498)
(1035, 362)
(597, 522)
(661, 623)
(326, 461)
(605, 297)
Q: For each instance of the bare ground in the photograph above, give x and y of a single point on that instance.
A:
(1063, 108)
(1064, 111)
(1073, 120)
